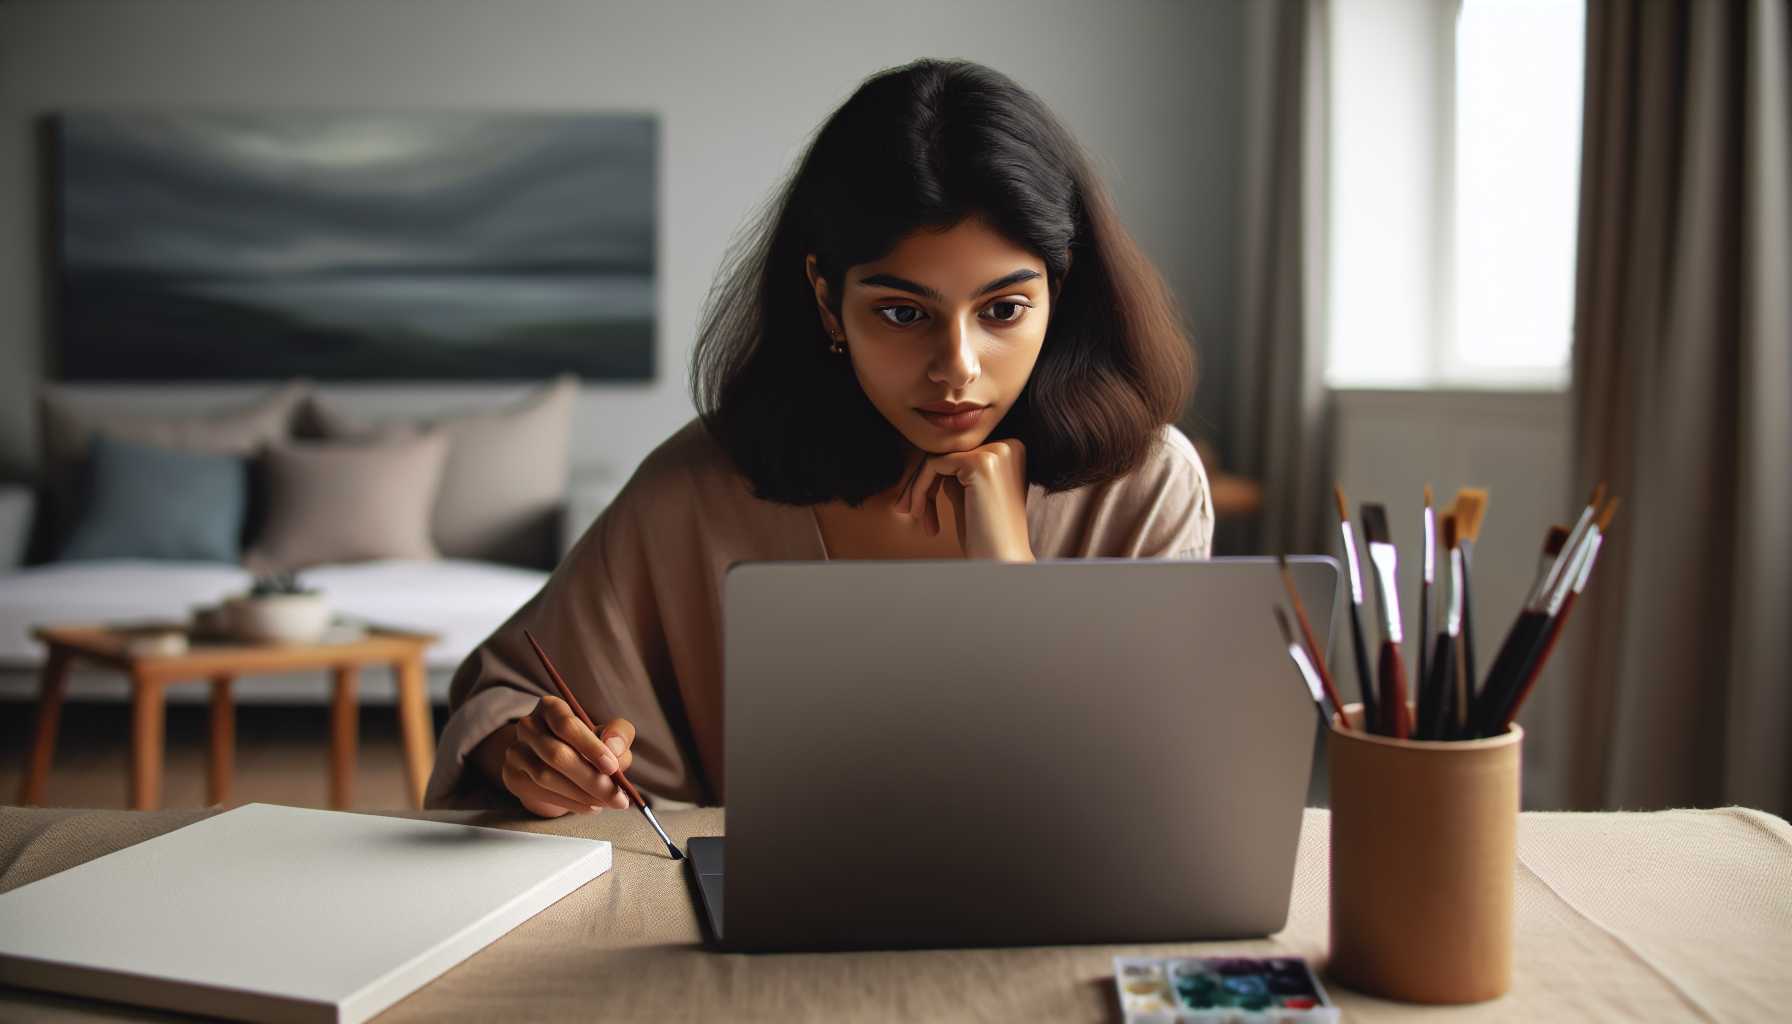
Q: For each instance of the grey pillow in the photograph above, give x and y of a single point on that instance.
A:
(506, 476)
(67, 427)
(352, 501)
(145, 501)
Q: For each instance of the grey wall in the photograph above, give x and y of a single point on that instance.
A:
(1151, 87)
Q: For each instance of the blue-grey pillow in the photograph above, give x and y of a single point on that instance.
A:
(145, 501)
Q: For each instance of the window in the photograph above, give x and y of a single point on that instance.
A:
(1453, 192)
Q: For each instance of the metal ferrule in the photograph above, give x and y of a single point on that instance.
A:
(655, 822)
(1566, 579)
(1356, 569)
(1586, 564)
(1453, 617)
(1430, 545)
(1307, 671)
(1387, 592)
(1565, 562)
(1543, 564)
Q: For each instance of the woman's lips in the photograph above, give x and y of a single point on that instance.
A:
(956, 421)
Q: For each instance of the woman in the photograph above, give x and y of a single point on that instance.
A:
(942, 244)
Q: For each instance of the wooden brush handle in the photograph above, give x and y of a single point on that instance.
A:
(628, 787)
(1365, 682)
(1434, 695)
(1424, 635)
(1462, 695)
(1507, 673)
(1314, 651)
(1394, 711)
(579, 710)
(1547, 647)
(1467, 642)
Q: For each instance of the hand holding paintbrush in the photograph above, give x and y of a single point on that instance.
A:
(621, 780)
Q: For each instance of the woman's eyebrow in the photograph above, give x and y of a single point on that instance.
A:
(904, 284)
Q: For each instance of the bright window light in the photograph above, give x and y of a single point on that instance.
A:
(1453, 192)
(1518, 106)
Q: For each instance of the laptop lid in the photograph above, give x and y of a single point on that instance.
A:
(964, 753)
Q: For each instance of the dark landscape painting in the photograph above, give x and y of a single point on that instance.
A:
(413, 246)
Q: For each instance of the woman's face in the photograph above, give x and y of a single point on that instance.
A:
(955, 316)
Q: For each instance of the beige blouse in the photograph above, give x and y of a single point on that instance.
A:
(632, 615)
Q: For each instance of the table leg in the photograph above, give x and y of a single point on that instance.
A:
(343, 726)
(222, 765)
(415, 725)
(49, 714)
(146, 742)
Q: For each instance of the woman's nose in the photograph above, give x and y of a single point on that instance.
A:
(958, 364)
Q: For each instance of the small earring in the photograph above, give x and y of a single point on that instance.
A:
(838, 346)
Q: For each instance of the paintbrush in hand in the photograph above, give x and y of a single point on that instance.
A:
(628, 787)
(1396, 717)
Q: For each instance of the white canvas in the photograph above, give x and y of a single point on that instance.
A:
(284, 914)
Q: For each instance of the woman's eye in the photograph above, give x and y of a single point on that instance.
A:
(883, 310)
(1005, 312)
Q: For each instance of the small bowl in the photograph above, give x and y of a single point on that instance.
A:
(211, 620)
(279, 618)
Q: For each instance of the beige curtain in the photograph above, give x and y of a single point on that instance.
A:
(1683, 402)
(1279, 402)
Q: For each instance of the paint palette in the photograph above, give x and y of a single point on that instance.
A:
(1185, 990)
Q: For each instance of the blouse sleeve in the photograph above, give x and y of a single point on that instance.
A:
(596, 618)
(1177, 519)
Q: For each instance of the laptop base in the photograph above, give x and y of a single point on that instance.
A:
(705, 856)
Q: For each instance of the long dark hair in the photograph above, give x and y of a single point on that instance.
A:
(925, 146)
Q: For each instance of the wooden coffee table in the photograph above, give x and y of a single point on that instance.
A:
(220, 664)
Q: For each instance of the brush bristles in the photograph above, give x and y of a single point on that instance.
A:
(1287, 630)
(1375, 524)
(1343, 509)
(1611, 510)
(1448, 526)
(1471, 506)
(1427, 495)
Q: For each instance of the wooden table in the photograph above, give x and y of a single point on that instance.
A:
(220, 664)
(1672, 915)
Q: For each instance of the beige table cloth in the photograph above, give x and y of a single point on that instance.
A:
(1672, 915)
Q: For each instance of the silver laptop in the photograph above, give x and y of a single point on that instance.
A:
(976, 753)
